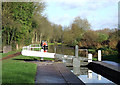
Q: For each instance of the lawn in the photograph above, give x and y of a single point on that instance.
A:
(16, 71)
(21, 57)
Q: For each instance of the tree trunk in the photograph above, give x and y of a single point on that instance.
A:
(40, 37)
(32, 40)
(16, 46)
(8, 38)
(33, 37)
(12, 38)
(36, 36)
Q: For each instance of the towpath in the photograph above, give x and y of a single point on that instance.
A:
(55, 73)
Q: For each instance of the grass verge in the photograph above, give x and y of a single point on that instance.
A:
(94, 59)
(14, 71)
(21, 57)
(113, 58)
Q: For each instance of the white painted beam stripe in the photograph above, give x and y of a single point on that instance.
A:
(37, 54)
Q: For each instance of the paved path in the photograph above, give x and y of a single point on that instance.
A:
(55, 73)
(11, 55)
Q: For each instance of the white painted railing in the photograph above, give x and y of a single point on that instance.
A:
(32, 48)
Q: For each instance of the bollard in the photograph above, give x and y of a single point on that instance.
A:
(27, 47)
(76, 60)
(76, 51)
(99, 55)
(42, 59)
(30, 47)
(89, 57)
(65, 56)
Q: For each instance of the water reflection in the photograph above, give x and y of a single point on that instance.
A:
(88, 76)
(76, 70)
(61, 49)
(99, 77)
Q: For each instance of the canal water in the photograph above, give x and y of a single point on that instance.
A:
(61, 49)
(66, 50)
(89, 77)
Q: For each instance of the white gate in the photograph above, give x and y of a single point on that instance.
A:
(30, 51)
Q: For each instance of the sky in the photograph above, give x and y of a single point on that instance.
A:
(99, 13)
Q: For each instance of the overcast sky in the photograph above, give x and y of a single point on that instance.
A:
(100, 13)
